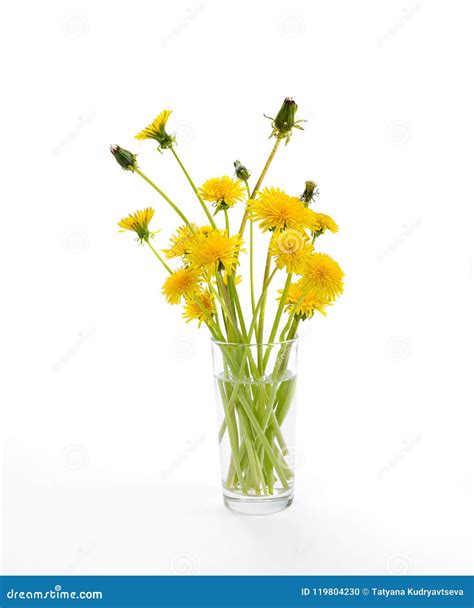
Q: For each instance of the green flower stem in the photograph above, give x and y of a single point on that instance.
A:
(158, 256)
(252, 286)
(272, 452)
(258, 184)
(261, 322)
(227, 306)
(233, 436)
(266, 445)
(203, 204)
(291, 316)
(278, 316)
(236, 300)
(227, 225)
(251, 328)
(254, 463)
(167, 199)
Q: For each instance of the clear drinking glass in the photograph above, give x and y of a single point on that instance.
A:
(255, 392)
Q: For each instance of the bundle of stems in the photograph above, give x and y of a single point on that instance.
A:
(256, 387)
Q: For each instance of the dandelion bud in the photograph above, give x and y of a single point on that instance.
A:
(125, 159)
(310, 192)
(240, 171)
(285, 121)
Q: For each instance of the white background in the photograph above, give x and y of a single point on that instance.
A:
(108, 420)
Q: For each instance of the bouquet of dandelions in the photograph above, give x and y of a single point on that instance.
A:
(255, 374)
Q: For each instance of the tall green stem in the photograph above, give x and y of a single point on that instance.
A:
(258, 184)
(252, 286)
(277, 320)
(262, 310)
(167, 199)
(159, 256)
(196, 192)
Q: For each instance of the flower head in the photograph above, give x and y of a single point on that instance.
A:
(277, 210)
(182, 282)
(199, 306)
(157, 130)
(240, 171)
(318, 223)
(138, 222)
(306, 302)
(181, 240)
(223, 192)
(125, 159)
(291, 249)
(323, 275)
(215, 251)
(285, 120)
(311, 190)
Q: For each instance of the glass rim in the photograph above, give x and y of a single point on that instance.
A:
(243, 345)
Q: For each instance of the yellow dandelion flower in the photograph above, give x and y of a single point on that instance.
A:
(200, 306)
(157, 130)
(277, 210)
(307, 301)
(214, 251)
(324, 275)
(291, 249)
(319, 222)
(138, 222)
(223, 192)
(179, 242)
(182, 282)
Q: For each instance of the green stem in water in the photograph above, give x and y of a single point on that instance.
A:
(203, 204)
(167, 199)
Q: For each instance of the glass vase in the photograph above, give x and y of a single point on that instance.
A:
(255, 392)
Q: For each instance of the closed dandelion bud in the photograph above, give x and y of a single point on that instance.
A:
(310, 192)
(285, 121)
(241, 171)
(125, 159)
